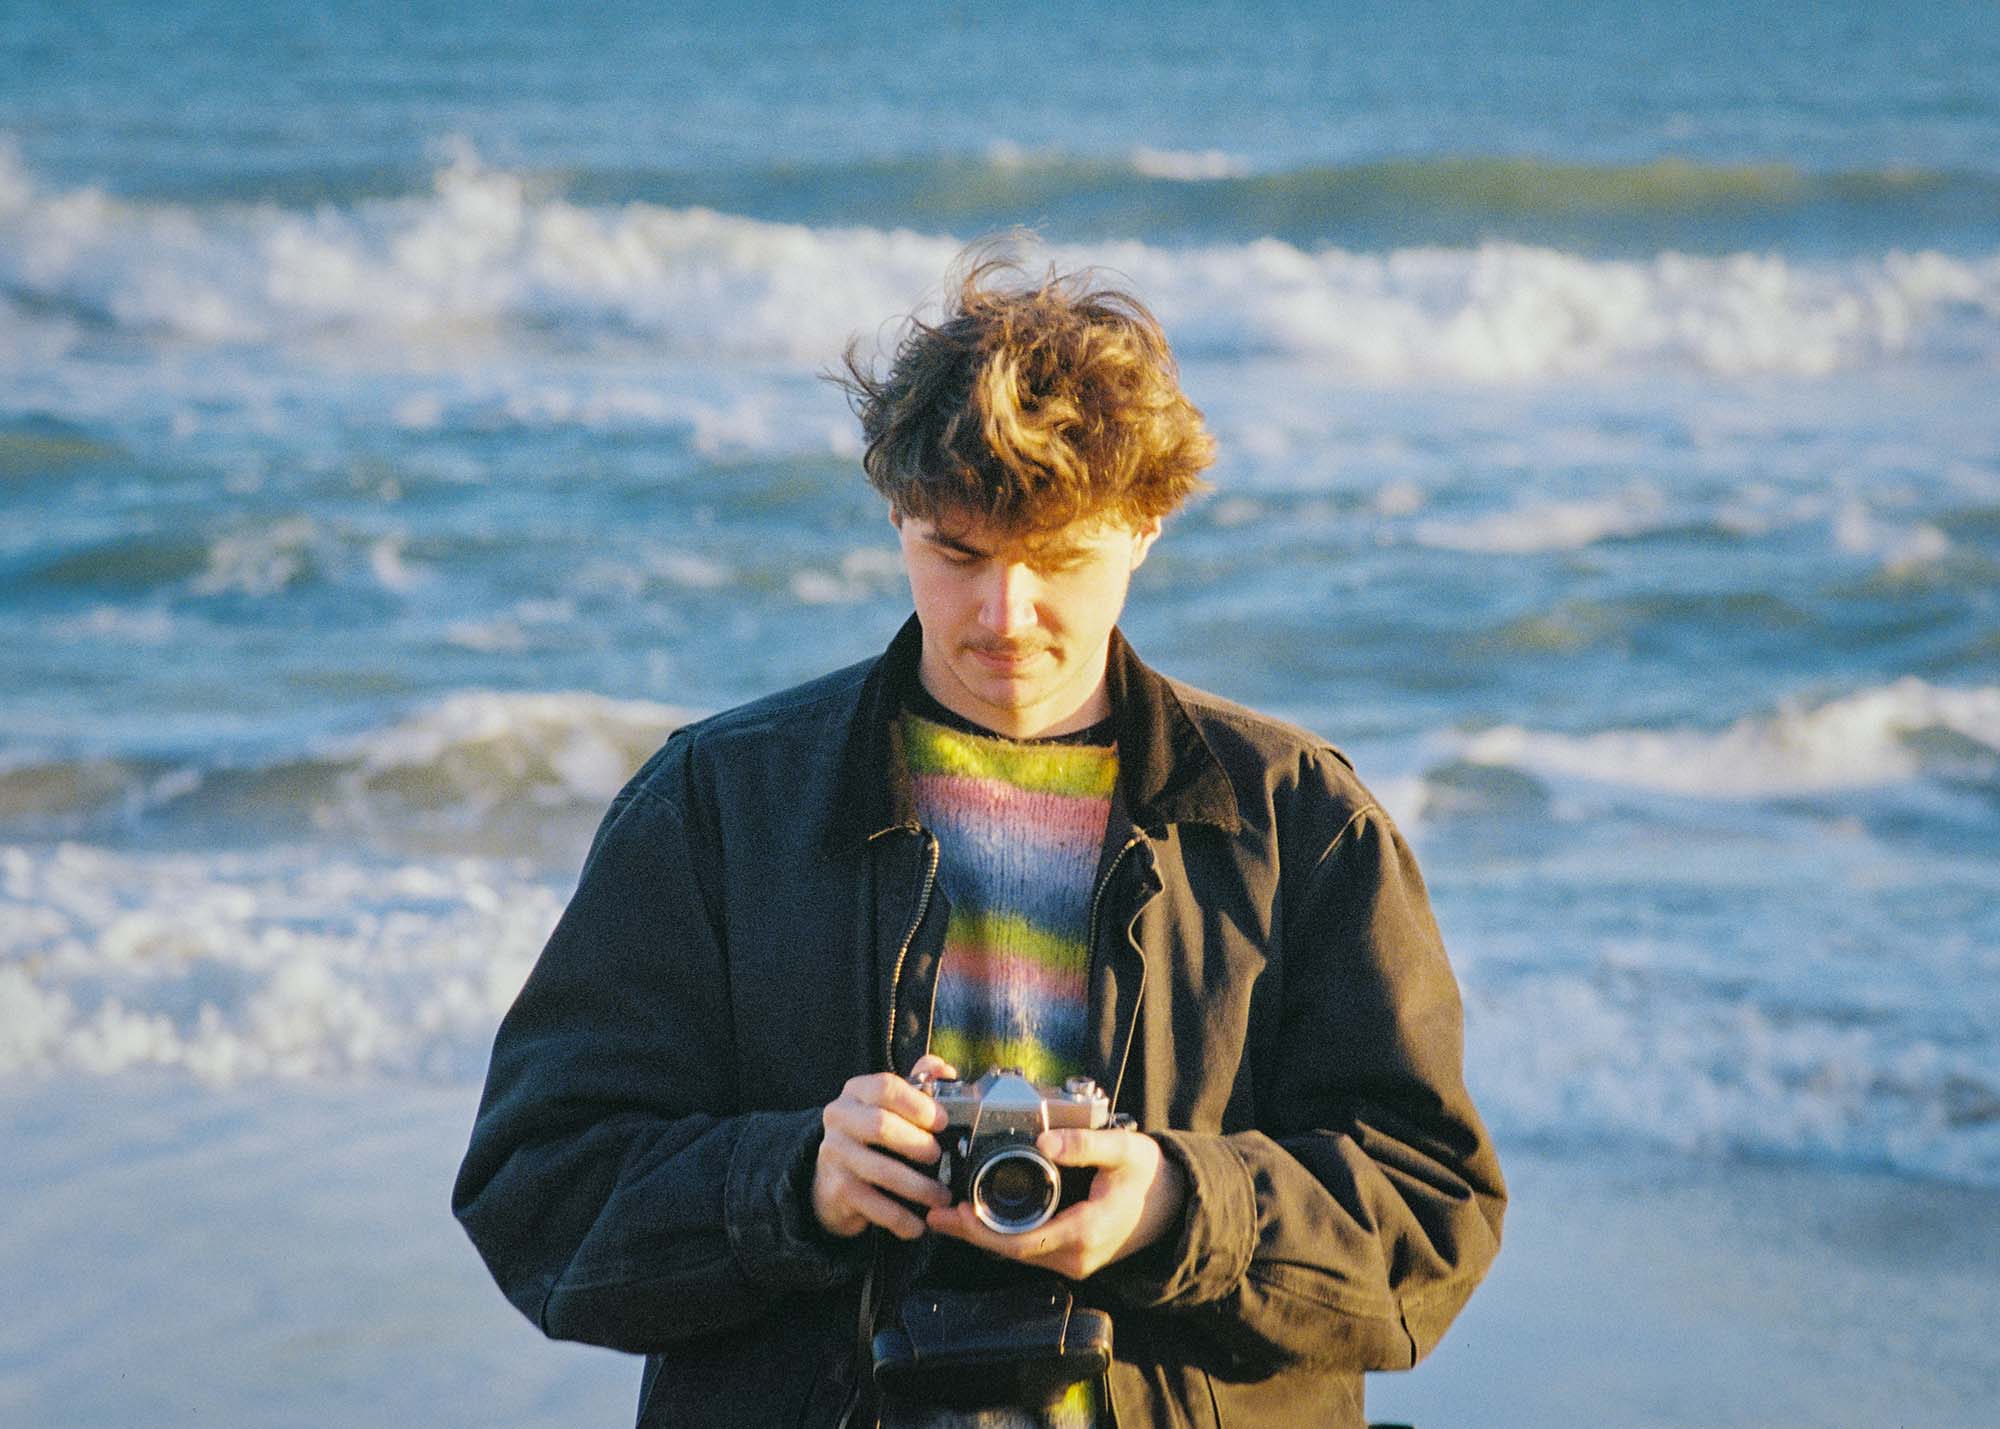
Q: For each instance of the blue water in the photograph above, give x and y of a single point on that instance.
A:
(409, 413)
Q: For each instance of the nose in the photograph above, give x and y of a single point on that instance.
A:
(1007, 606)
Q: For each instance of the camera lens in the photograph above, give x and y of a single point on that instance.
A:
(1015, 1190)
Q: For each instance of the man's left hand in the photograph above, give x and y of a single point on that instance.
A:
(1136, 1197)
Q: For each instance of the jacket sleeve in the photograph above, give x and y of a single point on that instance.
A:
(1351, 1226)
(607, 1187)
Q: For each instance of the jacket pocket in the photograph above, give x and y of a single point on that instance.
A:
(1151, 1395)
(1319, 1398)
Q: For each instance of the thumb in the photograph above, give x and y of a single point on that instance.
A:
(1104, 1147)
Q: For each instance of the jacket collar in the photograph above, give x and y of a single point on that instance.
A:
(1167, 774)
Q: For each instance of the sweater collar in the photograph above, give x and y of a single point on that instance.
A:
(1167, 774)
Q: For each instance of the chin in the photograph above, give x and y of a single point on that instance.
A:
(1010, 701)
(1020, 687)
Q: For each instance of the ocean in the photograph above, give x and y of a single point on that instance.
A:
(409, 414)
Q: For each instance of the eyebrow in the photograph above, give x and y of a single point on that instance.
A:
(1053, 554)
(953, 543)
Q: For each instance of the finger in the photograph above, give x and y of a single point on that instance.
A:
(870, 1125)
(915, 1105)
(893, 1093)
(960, 1223)
(1078, 1147)
(853, 1181)
(1045, 1249)
(878, 1208)
(932, 1065)
(893, 1176)
(879, 1165)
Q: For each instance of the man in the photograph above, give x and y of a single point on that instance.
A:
(1006, 841)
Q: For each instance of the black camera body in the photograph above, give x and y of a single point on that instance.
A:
(990, 1158)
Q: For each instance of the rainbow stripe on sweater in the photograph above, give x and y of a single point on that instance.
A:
(1019, 828)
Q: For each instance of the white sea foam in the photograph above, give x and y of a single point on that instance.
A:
(288, 963)
(478, 251)
(864, 571)
(1187, 166)
(1899, 547)
(265, 558)
(1550, 526)
(1871, 738)
(1505, 311)
(1576, 1059)
(291, 963)
(148, 626)
(261, 560)
(1179, 165)
(477, 750)
(483, 255)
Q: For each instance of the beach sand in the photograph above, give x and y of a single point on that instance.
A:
(284, 1255)
(1646, 1290)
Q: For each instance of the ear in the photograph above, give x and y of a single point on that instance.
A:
(1143, 536)
(895, 516)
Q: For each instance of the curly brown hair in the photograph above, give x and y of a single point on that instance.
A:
(1030, 405)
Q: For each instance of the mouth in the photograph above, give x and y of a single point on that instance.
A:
(1005, 660)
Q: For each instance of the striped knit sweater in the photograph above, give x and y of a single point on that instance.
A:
(1019, 828)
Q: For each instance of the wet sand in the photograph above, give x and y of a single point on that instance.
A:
(285, 1256)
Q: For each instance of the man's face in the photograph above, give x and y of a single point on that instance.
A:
(1016, 626)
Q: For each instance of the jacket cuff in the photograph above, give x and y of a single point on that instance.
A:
(1208, 1255)
(767, 1207)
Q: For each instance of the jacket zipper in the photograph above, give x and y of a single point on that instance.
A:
(903, 952)
(1097, 898)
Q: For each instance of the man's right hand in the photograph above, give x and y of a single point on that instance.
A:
(857, 1182)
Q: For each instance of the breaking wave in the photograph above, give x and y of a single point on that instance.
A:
(1875, 737)
(1719, 1075)
(484, 771)
(487, 253)
(239, 968)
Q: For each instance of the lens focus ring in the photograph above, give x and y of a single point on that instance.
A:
(1015, 1190)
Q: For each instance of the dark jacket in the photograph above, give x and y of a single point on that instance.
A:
(758, 921)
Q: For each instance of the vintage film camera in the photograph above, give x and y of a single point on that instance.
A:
(989, 1144)
(975, 1330)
